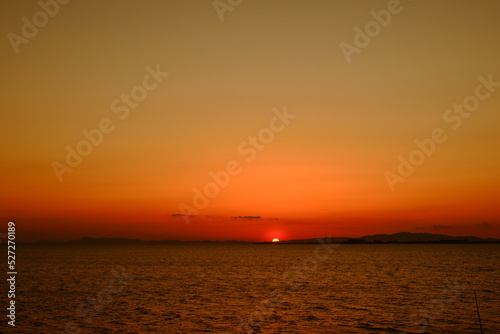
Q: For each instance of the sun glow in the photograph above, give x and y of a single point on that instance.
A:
(276, 240)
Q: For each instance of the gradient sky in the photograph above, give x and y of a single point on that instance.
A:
(322, 175)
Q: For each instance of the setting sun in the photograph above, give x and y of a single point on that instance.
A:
(276, 240)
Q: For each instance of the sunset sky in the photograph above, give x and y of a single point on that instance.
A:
(321, 171)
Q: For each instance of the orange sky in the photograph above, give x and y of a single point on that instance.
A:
(322, 171)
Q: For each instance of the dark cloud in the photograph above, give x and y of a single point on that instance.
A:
(436, 227)
(484, 225)
(247, 217)
(442, 227)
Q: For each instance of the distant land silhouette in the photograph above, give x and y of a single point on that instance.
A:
(397, 238)
(402, 238)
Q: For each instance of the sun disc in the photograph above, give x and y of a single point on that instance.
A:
(276, 240)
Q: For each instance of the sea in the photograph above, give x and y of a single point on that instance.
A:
(257, 288)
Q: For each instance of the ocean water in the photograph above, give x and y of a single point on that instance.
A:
(257, 288)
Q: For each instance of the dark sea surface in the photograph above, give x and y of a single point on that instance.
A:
(257, 288)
